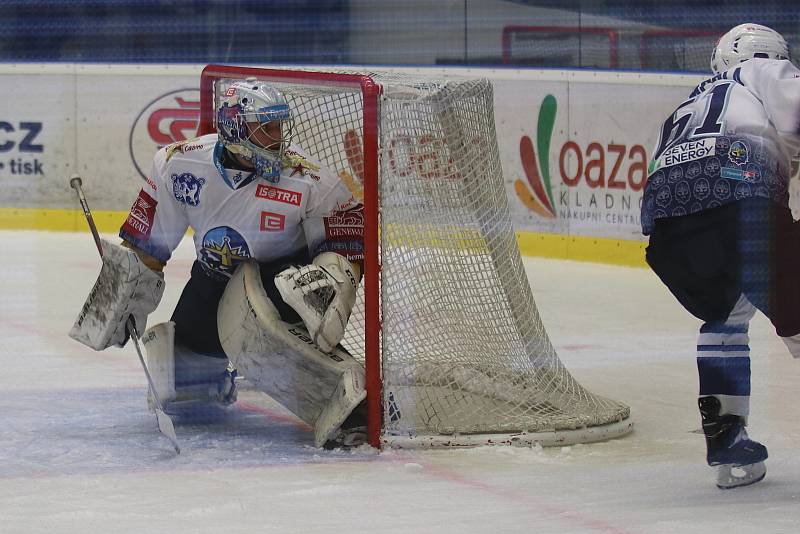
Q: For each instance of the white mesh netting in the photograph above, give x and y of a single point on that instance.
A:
(463, 350)
(560, 47)
(678, 51)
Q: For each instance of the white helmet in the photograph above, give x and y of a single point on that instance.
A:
(747, 41)
(253, 101)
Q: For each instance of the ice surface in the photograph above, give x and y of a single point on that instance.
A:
(79, 452)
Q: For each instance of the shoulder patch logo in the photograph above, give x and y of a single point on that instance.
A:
(738, 153)
(186, 188)
(141, 217)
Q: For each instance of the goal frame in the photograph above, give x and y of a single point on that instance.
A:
(611, 33)
(644, 56)
(370, 91)
(561, 421)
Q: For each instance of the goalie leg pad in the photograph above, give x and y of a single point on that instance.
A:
(281, 359)
(185, 380)
(793, 344)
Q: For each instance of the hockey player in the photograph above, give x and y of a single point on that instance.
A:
(260, 208)
(722, 237)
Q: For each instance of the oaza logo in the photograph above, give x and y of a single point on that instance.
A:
(171, 117)
(609, 167)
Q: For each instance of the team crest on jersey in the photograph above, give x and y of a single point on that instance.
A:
(223, 250)
(738, 153)
(186, 188)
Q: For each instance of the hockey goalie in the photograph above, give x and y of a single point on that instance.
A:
(279, 243)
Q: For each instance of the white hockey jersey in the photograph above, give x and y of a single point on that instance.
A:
(235, 215)
(733, 138)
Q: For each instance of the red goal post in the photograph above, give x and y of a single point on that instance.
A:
(370, 92)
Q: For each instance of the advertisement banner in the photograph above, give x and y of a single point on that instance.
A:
(127, 119)
(104, 124)
(575, 154)
(37, 139)
(574, 145)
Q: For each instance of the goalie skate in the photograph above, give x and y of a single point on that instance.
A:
(353, 431)
(187, 383)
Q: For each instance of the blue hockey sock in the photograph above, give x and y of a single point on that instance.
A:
(723, 365)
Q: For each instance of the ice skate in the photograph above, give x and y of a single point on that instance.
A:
(729, 476)
(353, 432)
(186, 381)
(740, 459)
(218, 392)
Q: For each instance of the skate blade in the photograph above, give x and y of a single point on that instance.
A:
(729, 477)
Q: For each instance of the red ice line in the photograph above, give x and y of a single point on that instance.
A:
(272, 414)
(441, 473)
(594, 525)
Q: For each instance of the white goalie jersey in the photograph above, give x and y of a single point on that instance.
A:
(236, 216)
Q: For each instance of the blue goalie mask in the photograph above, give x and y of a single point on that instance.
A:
(255, 123)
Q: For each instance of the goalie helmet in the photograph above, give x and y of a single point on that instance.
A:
(747, 41)
(244, 110)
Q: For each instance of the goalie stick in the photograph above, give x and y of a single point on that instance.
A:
(165, 425)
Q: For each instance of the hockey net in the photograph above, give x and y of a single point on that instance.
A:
(560, 46)
(454, 349)
(680, 50)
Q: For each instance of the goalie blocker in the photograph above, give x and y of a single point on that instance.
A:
(125, 288)
(282, 360)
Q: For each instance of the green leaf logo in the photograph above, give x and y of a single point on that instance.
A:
(537, 172)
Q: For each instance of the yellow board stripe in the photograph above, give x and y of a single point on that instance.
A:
(578, 248)
(581, 248)
(59, 220)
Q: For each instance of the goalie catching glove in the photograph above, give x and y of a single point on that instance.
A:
(125, 288)
(323, 295)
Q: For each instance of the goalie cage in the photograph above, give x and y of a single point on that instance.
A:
(453, 346)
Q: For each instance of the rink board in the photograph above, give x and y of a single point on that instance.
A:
(574, 146)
